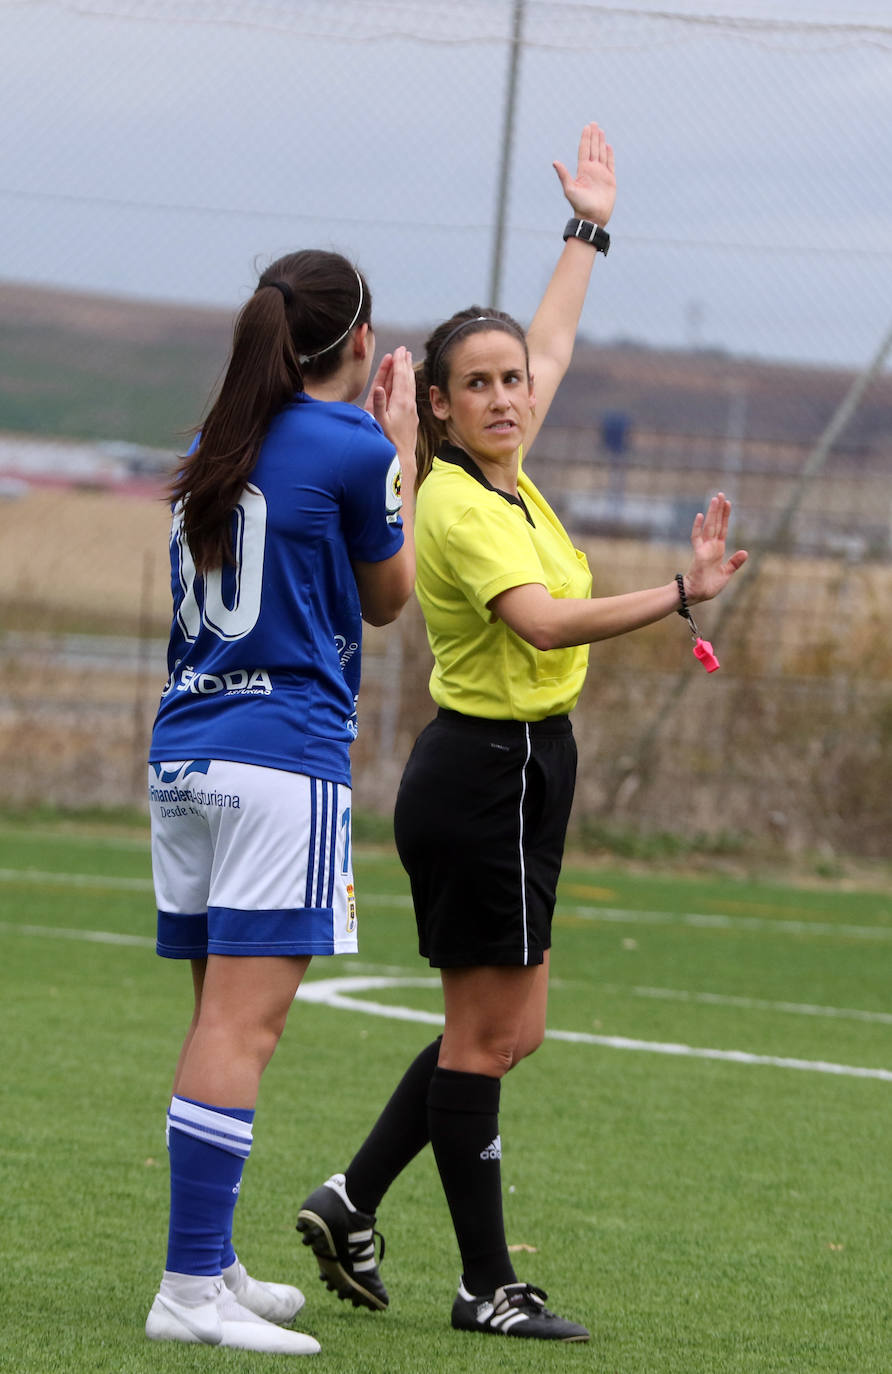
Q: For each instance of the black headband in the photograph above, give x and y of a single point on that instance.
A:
(282, 286)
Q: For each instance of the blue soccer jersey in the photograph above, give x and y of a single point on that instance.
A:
(264, 656)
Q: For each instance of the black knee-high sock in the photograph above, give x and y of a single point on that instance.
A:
(463, 1114)
(400, 1132)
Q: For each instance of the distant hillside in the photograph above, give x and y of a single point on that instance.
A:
(85, 367)
(692, 393)
(89, 367)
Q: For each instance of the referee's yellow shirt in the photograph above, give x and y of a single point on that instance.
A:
(471, 544)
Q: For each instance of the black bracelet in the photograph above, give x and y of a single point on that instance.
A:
(683, 608)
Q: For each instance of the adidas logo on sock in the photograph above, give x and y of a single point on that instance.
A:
(493, 1151)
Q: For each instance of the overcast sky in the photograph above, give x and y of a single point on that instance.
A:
(161, 148)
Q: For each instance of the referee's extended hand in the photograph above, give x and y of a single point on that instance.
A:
(592, 192)
(709, 573)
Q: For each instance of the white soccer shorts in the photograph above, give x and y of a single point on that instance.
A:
(250, 860)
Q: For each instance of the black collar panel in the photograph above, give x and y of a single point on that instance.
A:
(450, 453)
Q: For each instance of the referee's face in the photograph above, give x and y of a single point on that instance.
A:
(487, 405)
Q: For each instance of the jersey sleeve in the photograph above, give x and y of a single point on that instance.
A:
(489, 551)
(370, 495)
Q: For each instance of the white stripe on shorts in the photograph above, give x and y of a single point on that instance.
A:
(523, 867)
(322, 848)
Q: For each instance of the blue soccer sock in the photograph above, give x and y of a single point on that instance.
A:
(208, 1147)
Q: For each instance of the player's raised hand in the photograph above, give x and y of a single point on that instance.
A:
(391, 400)
(592, 191)
(709, 572)
(381, 384)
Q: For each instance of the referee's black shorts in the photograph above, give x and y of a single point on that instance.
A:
(480, 823)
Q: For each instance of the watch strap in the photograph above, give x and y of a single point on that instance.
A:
(589, 233)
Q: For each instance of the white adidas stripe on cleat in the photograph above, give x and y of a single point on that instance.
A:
(517, 1309)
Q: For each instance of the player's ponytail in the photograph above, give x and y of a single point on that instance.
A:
(434, 371)
(294, 327)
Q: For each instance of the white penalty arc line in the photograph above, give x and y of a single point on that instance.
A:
(337, 993)
(716, 999)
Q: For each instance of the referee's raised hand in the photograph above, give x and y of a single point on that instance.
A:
(592, 191)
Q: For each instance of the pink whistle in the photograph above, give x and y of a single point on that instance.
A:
(703, 651)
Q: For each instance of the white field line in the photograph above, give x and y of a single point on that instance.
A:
(334, 992)
(718, 999)
(75, 837)
(403, 978)
(337, 993)
(631, 917)
(42, 878)
(99, 937)
(622, 916)
(619, 915)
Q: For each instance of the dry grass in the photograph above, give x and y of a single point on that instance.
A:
(83, 559)
(789, 743)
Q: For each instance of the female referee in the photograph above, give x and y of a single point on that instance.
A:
(484, 802)
(286, 535)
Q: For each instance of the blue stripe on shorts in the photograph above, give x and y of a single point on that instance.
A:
(308, 930)
(182, 936)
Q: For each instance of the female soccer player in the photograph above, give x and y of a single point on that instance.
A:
(484, 802)
(286, 534)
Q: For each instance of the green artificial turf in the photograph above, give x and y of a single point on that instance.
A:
(700, 1214)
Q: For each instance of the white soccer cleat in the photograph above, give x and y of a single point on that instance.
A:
(220, 1320)
(276, 1302)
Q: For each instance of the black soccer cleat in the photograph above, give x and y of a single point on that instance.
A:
(518, 1309)
(343, 1241)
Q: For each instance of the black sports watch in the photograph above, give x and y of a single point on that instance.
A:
(589, 233)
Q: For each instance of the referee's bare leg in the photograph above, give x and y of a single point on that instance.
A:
(495, 1016)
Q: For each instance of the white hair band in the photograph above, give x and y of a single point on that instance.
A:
(308, 357)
